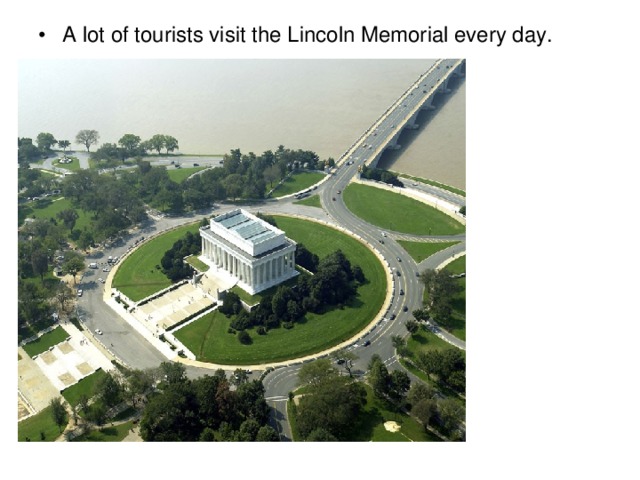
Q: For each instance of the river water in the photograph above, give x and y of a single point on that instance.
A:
(212, 106)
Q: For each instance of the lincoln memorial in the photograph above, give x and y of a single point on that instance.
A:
(255, 253)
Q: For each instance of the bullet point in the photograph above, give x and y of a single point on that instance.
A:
(41, 34)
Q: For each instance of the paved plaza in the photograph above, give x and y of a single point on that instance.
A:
(42, 378)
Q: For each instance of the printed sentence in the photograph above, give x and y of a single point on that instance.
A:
(302, 35)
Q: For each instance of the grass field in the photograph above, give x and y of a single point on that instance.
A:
(46, 341)
(73, 166)
(85, 386)
(297, 182)
(137, 277)
(49, 209)
(313, 201)
(179, 175)
(208, 339)
(371, 424)
(422, 250)
(196, 263)
(398, 213)
(38, 425)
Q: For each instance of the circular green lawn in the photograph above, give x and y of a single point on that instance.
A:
(209, 340)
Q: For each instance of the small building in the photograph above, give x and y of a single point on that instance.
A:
(257, 254)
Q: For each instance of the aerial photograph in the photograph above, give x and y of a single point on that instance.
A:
(241, 250)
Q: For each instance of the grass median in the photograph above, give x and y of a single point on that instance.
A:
(395, 212)
(297, 182)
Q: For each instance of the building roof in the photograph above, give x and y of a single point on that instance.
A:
(251, 234)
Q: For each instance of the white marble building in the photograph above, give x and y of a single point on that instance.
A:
(254, 252)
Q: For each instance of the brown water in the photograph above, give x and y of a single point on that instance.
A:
(212, 106)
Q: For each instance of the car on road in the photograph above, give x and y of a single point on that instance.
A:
(393, 316)
(401, 292)
(196, 164)
(399, 274)
(98, 331)
(340, 361)
(79, 292)
(381, 241)
(101, 280)
(105, 269)
(399, 259)
(405, 308)
(366, 344)
(334, 199)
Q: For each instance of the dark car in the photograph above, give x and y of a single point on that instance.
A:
(401, 292)
(367, 343)
(405, 308)
(196, 164)
(393, 316)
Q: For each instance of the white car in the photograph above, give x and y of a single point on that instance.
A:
(105, 269)
(79, 292)
(98, 331)
(101, 280)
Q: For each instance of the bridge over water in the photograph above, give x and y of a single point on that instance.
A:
(402, 113)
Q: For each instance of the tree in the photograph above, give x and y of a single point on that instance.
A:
(73, 263)
(173, 373)
(63, 295)
(451, 414)
(68, 217)
(271, 174)
(332, 402)
(239, 377)
(267, 434)
(45, 142)
(441, 289)
(58, 412)
(109, 390)
(156, 142)
(27, 151)
(96, 413)
(138, 383)
(420, 391)
(412, 326)
(244, 338)
(87, 138)
(170, 143)
(424, 411)
(399, 384)
(316, 373)
(378, 377)
(398, 342)
(320, 435)
(85, 240)
(130, 143)
(64, 144)
(345, 358)
(40, 263)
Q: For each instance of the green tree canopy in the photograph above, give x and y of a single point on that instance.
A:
(87, 138)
